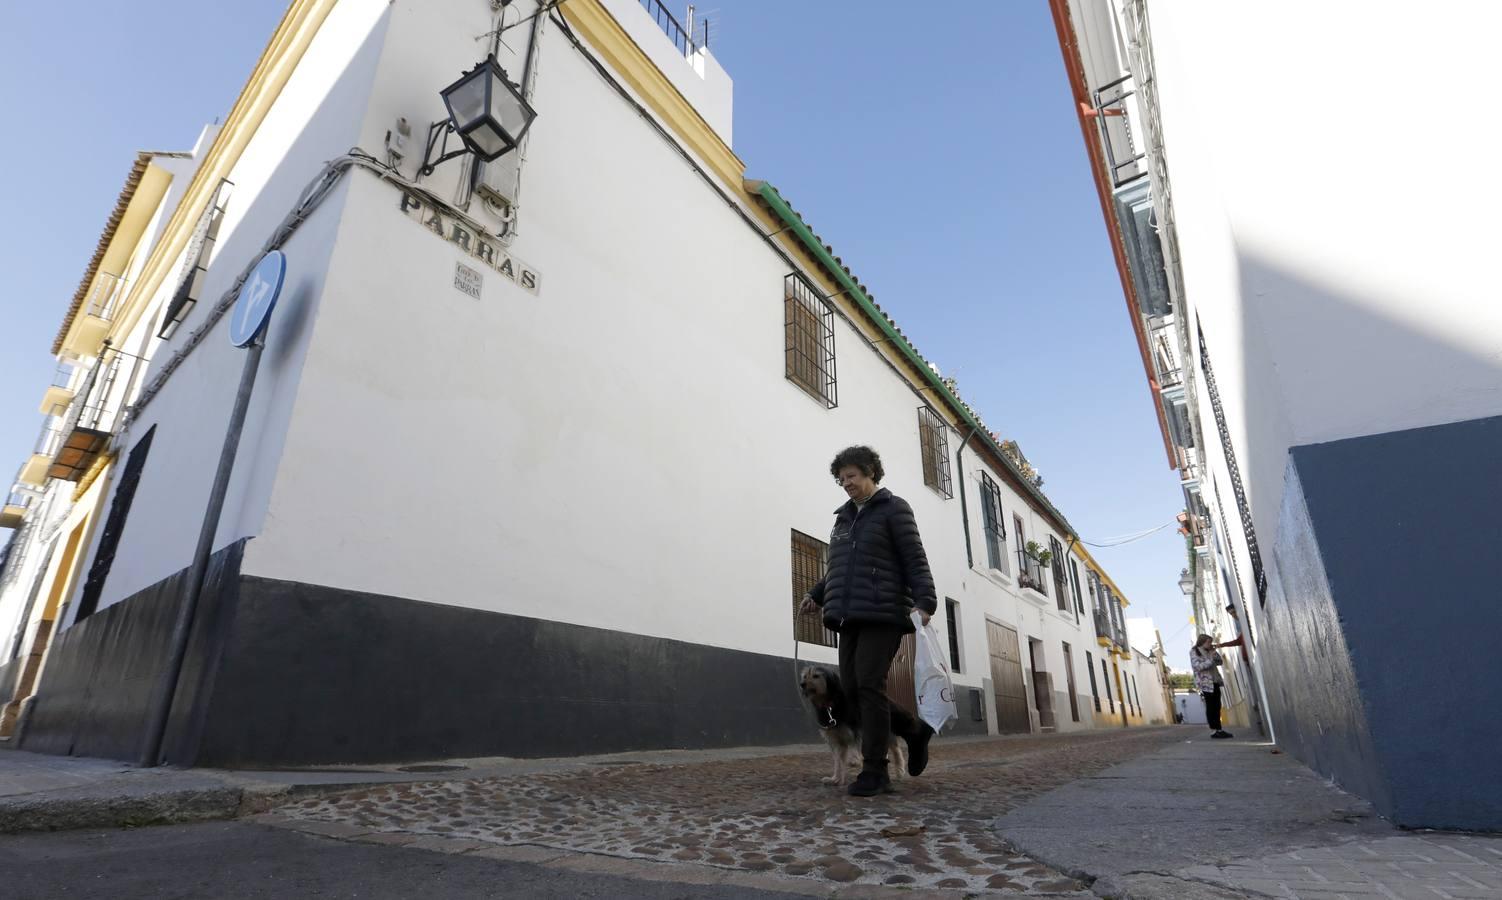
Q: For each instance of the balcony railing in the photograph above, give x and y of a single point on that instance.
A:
(104, 300)
(1115, 106)
(16, 505)
(1102, 624)
(683, 38)
(50, 440)
(1030, 572)
(94, 415)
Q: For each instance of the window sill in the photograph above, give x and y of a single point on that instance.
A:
(996, 576)
(1034, 596)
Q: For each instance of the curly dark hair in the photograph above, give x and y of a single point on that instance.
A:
(863, 458)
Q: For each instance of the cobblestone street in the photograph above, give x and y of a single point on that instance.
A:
(769, 815)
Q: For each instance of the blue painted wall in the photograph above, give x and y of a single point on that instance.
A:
(1383, 617)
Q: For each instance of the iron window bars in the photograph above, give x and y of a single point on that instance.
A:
(809, 330)
(996, 529)
(196, 261)
(1237, 488)
(933, 439)
(1060, 579)
(114, 527)
(809, 557)
(952, 616)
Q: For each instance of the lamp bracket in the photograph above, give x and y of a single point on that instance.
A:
(438, 138)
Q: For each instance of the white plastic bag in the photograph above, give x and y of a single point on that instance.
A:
(934, 687)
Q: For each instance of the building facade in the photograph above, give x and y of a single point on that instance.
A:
(536, 461)
(1322, 340)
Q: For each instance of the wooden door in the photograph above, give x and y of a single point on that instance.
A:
(902, 683)
(1006, 675)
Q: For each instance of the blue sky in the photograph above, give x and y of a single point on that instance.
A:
(938, 154)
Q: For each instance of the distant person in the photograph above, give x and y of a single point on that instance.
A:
(1205, 660)
(877, 573)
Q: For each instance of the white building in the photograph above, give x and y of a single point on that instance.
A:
(537, 456)
(1302, 206)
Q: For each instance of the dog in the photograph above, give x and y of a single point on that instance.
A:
(840, 726)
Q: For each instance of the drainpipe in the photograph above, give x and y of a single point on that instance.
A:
(959, 465)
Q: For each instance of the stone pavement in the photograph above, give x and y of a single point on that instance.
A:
(768, 816)
(1216, 819)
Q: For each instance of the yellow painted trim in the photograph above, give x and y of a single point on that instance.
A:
(595, 24)
(288, 44)
(101, 463)
(1096, 567)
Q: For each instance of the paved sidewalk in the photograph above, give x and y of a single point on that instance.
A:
(1221, 819)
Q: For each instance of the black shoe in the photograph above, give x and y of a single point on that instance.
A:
(1222, 734)
(917, 750)
(869, 784)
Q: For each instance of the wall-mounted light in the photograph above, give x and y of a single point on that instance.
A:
(486, 111)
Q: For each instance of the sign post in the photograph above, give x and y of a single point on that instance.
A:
(248, 318)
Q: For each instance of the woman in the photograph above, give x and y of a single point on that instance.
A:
(877, 573)
(1205, 661)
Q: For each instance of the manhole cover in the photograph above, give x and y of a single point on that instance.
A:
(430, 767)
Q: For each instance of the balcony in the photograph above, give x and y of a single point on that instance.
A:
(16, 506)
(1030, 573)
(100, 306)
(34, 470)
(92, 420)
(1102, 627)
(60, 391)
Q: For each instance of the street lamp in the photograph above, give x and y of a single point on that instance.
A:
(1186, 583)
(486, 111)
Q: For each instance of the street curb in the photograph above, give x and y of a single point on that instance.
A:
(141, 805)
(118, 811)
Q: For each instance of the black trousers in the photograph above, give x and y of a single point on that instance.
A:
(866, 653)
(1212, 707)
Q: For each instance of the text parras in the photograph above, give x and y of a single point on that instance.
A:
(478, 246)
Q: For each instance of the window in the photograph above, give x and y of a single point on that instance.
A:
(196, 261)
(933, 440)
(1074, 585)
(1090, 668)
(809, 558)
(1029, 572)
(952, 614)
(1074, 701)
(996, 531)
(1105, 676)
(1249, 531)
(114, 526)
(1060, 580)
(808, 327)
(1136, 695)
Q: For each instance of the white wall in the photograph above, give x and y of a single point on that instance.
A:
(315, 119)
(622, 450)
(1335, 218)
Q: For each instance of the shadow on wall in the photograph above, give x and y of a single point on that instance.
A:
(95, 691)
(1379, 561)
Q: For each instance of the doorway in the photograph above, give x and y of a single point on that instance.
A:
(1006, 674)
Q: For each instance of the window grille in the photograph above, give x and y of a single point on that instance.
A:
(933, 439)
(196, 262)
(1060, 580)
(808, 327)
(809, 560)
(1074, 584)
(952, 614)
(996, 529)
(1090, 667)
(114, 527)
(1237, 488)
(1105, 676)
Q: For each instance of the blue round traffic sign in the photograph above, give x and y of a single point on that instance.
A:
(257, 298)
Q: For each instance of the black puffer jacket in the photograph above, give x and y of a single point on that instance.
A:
(877, 568)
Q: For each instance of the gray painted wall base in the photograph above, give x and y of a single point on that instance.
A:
(1382, 612)
(284, 674)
